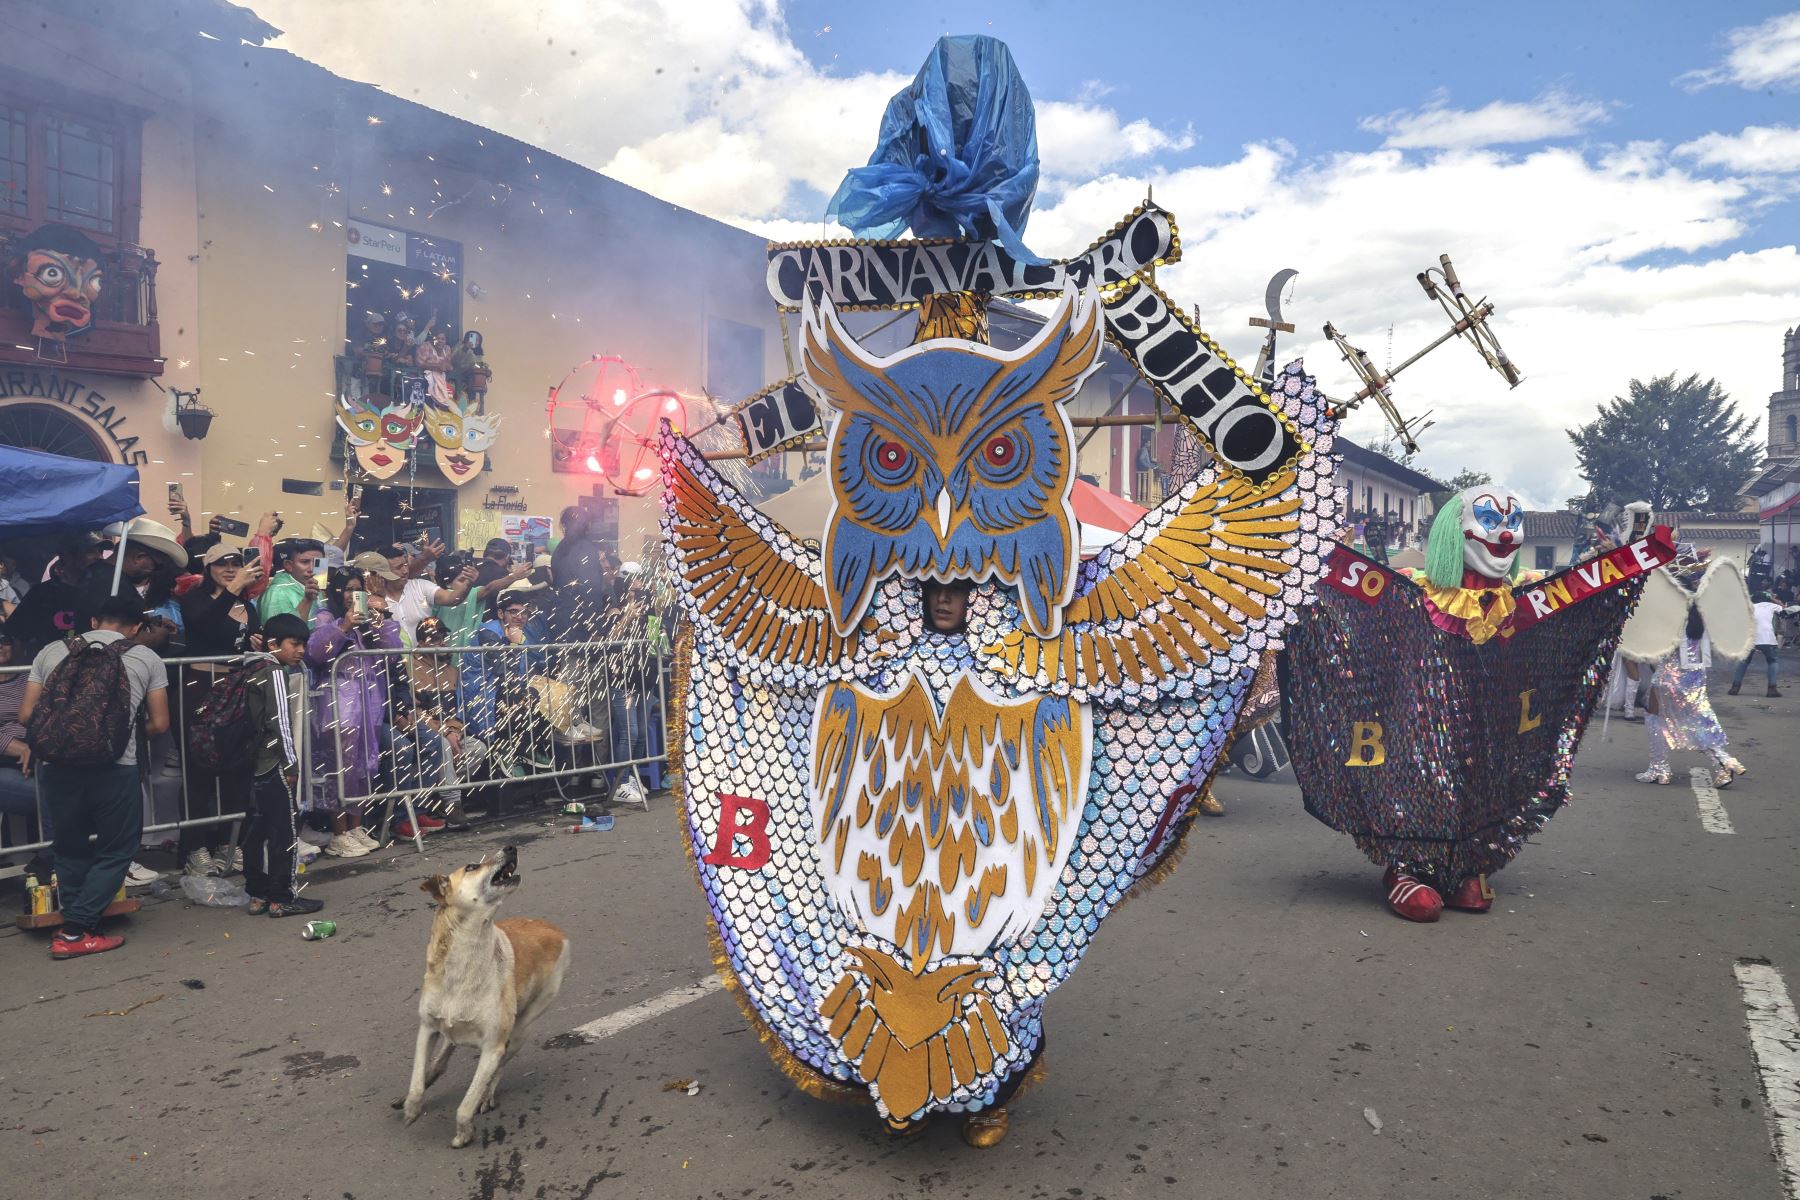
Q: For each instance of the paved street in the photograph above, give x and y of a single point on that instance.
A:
(1587, 1038)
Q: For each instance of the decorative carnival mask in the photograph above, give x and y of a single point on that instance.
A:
(380, 438)
(953, 460)
(463, 457)
(60, 276)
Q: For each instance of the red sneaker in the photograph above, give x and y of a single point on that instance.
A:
(1411, 899)
(88, 943)
(427, 822)
(1472, 895)
(403, 828)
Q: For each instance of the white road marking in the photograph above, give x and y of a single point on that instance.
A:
(648, 1010)
(1775, 1040)
(1712, 813)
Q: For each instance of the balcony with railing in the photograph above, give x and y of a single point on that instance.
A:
(124, 338)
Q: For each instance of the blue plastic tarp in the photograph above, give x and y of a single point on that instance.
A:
(957, 155)
(47, 493)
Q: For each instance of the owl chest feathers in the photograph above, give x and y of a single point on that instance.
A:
(944, 813)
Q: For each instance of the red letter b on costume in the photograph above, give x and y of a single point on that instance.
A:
(740, 816)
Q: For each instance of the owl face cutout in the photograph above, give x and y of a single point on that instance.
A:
(952, 460)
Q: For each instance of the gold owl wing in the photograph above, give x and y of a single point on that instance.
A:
(745, 581)
(1184, 594)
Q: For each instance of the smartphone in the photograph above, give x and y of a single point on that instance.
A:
(356, 495)
(175, 496)
(232, 526)
(359, 603)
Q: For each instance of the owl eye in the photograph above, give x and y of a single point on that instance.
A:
(1003, 458)
(892, 456)
(1000, 452)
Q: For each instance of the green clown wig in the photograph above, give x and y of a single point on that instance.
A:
(1444, 545)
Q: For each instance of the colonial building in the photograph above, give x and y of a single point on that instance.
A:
(1776, 488)
(266, 234)
(1378, 486)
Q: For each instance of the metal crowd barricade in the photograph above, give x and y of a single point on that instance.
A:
(167, 775)
(601, 708)
(540, 713)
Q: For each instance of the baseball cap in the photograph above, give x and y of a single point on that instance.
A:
(219, 552)
(374, 563)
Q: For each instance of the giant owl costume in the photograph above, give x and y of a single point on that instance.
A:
(909, 838)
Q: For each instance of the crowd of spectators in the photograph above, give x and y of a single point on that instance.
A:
(439, 675)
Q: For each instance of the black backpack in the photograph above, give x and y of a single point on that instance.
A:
(84, 716)
(219, 737)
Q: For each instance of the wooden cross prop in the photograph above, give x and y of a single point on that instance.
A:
(1467, 320)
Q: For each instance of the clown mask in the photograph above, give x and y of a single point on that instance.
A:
(61, 281)
(1493, 529)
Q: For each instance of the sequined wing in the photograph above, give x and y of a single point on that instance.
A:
(743, 579)
(1199, 588)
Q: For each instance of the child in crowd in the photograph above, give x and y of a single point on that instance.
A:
(270, 835)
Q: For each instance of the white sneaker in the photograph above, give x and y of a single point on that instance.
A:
(345, 846)
(631, 792)
(200, 863)
(362, 837)
(141, 876)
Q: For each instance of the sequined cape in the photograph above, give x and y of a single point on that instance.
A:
(1474, 742)
(743, 724)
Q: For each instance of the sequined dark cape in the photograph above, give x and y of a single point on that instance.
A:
(1460, 786)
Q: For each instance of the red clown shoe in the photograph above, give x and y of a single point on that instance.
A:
(1411, 899)
(1472, 895)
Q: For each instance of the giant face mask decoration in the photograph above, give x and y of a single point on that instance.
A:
(60, 276)
(463, 458)
(1493, 529)
(380, 439)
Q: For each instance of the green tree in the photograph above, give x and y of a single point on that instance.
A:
(1467, 478)
(1680, 444)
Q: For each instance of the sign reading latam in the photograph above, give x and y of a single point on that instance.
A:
(900, 274)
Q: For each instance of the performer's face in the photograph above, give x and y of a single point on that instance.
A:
(1493, 530)
(946, 606)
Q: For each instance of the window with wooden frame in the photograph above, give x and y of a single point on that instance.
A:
(72, 160)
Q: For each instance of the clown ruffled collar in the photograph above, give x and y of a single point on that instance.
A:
(1478, 609)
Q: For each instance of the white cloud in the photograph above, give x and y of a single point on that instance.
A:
(1554, 114)
(1557, 239)
(1756, 150)
(1765, 55)
(1077, 140)
(1605, 263)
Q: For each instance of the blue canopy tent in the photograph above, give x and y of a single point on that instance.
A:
(47, 493)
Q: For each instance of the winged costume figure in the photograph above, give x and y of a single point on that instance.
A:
(1691, 611)
(910, 829)
(1440, 718)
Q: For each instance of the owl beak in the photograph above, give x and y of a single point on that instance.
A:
(943, 514)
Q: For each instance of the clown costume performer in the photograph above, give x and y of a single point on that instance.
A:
(1690, 612)
(1435, 722)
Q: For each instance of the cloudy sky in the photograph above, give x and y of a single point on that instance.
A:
(1616, 176)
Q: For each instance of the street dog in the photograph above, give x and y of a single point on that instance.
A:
(486, 981)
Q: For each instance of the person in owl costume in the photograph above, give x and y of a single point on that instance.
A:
(910, 822)
(1438, 719)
